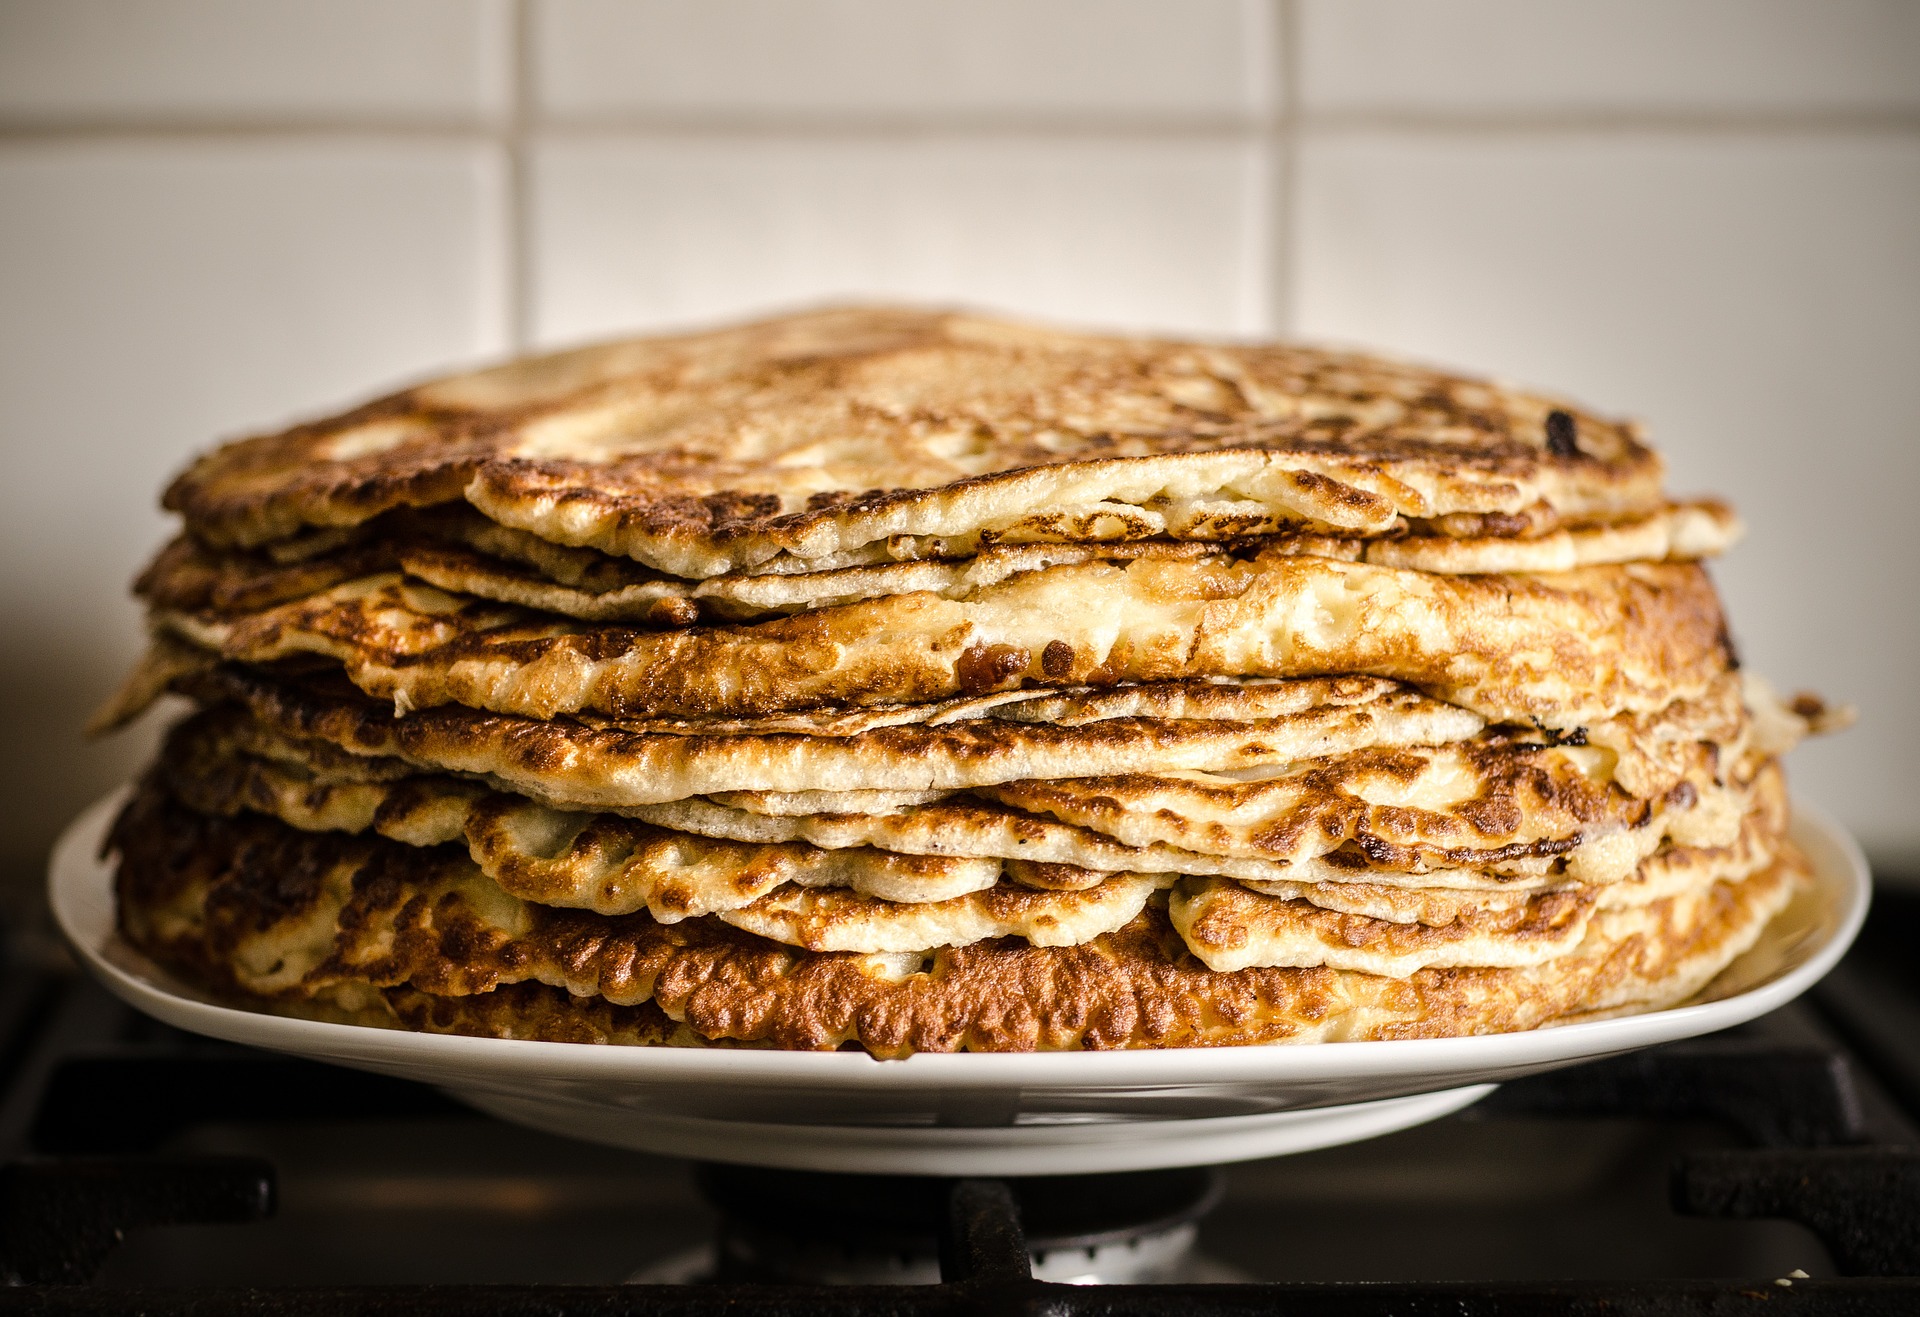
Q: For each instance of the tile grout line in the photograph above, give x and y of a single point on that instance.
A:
(1602, 123)
(343, 130)
(22, 132)
(1282, 136)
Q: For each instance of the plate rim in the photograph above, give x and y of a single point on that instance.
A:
(74, 864)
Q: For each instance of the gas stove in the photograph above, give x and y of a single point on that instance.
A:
(1774, 1167)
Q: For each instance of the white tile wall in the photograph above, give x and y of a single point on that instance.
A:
(253, 60)
(994, 59)
(154, 297)
(1634, 56)
(215, 214)
(1149, 233)
(1756, 300)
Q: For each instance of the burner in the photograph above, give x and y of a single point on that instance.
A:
(815, 1228)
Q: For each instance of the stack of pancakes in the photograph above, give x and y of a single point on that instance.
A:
(923, 682)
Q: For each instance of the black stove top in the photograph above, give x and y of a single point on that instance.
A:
(1771, 1168)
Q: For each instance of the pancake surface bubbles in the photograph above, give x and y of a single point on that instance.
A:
(858, 433)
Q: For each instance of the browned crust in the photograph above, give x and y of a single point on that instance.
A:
(603, 862)
(537, 1013)
(590, 763)
(924, 412)
(1562, 649)
(186, 575)
(1520, 788)
(1225, 914)
(468, 555)
(1135, 988)
(1513, 782)
(1531, 802)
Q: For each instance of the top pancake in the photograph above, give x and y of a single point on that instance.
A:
(859, 435)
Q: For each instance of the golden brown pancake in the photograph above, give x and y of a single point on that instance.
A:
(599, 862)
(837, 920)
(1513, 811)
(468, 555)
(253, 907)
(863, 433)
(1481, 806)
(594, 764)
(1307, 929)
(919, 681)
(1198, 700)
(530, 1011)
(1559, 649)
(1231, 926)
(1670, 868)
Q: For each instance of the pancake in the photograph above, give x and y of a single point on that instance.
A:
(576, 858)
(1200, 700)
(464, 898)
(445, 552)
(916, 681)
(696, 856)
(590, 764)
(965, 824)
(1669, 869)
(1456, 806)
(856, 433)
(1649, 756)
(1558, 649)
(1677, 532)
(536, 1011)
(529, 1011)
(1223, 923)
(598, 862)
(254, 907)
(1230, 928)
(829, 920)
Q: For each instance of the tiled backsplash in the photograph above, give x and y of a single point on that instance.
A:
(1625, 59)
(1099, 62)
(216, 215)
(1142, 231)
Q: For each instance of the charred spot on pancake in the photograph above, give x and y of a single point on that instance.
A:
(981, 668)
(1341, 494)
(826, 499)
(1562, 434)
(1056, 660)
(1683, 795)
(1553, 736)
(673, 612)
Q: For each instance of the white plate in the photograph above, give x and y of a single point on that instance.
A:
(988, 1114)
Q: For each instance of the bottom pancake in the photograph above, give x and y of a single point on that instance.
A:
(272, 917)
(529, 1012)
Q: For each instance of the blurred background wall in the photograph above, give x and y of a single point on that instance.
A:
(220, 215)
